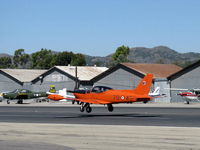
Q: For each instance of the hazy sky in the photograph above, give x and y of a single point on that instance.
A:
(98, 27)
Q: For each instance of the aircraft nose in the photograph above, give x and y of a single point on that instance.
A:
(50, 97)
(55, 97)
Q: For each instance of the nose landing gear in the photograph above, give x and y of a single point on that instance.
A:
(86, 107)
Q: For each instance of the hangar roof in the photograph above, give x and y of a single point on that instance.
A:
(84, 73)
(23, 75)
(184, 70)
(159, 70)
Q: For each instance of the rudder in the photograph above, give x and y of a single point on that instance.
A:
(144, 86)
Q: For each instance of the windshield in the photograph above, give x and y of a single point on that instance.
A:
(99, 89)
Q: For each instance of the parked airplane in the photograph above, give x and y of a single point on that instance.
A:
(189, 94)
(22, 94)
(108, 96)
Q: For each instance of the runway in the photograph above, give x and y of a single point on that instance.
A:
(132, 116)
(64, 127)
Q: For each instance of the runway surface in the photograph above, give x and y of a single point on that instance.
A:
(133, 116)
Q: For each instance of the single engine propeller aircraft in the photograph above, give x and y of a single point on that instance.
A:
(22, 94)
(108, 96)
(188, 95)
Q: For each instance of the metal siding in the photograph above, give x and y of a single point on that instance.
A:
(7, 84)
(188, 80)
(54, 78)
(120, 79)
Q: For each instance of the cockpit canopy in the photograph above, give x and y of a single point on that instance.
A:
(99, 89)
(96, 89)
(21, 91)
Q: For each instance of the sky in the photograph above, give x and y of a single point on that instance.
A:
(98, 27)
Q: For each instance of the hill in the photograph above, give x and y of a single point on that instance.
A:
(159, 54)
(5, 55)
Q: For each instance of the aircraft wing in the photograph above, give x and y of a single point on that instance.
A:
(196, 90)
(91, 101)
(177, 89)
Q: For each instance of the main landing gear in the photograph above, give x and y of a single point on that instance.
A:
(110, 107)
(20, 101)
(85, 106)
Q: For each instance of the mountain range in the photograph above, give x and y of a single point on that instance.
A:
(159, 54)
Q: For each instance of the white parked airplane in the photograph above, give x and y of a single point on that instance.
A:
(188, 95)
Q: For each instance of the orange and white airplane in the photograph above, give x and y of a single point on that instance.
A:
(108, 96)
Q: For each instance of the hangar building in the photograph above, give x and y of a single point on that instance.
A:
(128, 75)
(66, 77)
(187, 78)
(11, 79)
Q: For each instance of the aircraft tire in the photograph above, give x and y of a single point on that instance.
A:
(110, 108)
(20, 102)
(8, 102)
(88, 109)
(82, 109)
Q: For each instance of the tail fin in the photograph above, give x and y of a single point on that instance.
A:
(156, 92)
(144, 85)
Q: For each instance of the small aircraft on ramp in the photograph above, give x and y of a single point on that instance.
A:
(108, 96)
(22, 94)
(188, 95)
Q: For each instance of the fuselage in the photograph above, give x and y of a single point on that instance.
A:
(113, 96)
(190, 95)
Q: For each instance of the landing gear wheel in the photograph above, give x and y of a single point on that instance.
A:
(82, 109)
(8, 102)
(145, 102)
(20, 101)
(110, 107)
(88, 109)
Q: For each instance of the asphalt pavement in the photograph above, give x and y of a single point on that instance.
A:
(132, 116)
(136, 126)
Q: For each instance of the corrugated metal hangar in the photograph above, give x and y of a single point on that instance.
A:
(187, 78)
(65, 77)
(11, 79)
(121, 76)
(128, 75)
(40, 80)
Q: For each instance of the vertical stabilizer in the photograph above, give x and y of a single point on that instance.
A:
(144, 86)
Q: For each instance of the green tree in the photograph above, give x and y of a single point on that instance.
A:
(21, 59)
(120, 55)
(5, 62)
(78, 60)
(43, 59)
(63, 58)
